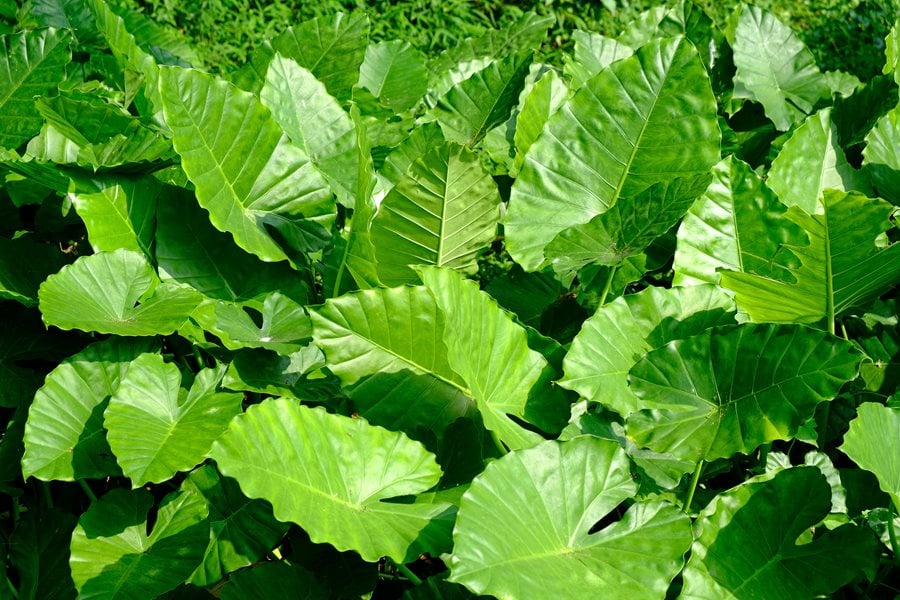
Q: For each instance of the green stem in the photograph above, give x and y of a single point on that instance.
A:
(608, 284)
(694, 481)
(844, 331)
(404, 570)
(892, 535)
(87, 490)
(198, 357)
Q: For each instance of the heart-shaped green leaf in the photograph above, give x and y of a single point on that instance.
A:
(113, 556)
(730, 389)
(333, 475)
(524, 527)
(155, 428)
(101, 293)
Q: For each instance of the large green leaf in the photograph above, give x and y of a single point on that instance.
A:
(24, 265)
(524, 528)
(490, 352)
(443, 212)
(31, 64)
(481, 102)
(118, 213)
(64, 437)
(155, 428)
(738, 224)
(624, 131)
(100, 293)
(241, 530)
(843, 266)
(332, 49)
(315, 122)
(730, 389)
(616, 337)
(755, 541)
(114, 556)
(190, 250)
(247, 174)
(626, 229)
(387, 347)
(812, 161)
(275, 451)
(395, 73)
(775, 68)
(882, 156)
(872, 444)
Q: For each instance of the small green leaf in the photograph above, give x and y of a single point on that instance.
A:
(275, 451)
(118, 213)
(395, 73)
(101, 293)
(157, 429)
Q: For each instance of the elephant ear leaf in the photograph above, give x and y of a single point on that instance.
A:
(525, 529)
(730, 389)
(775, 68)
(844, 266)
(275, 451)
(113, 556)
(622, 132)
(247, 174)
(872, 443)
(101, 292)
(729, 561)
(31, 63)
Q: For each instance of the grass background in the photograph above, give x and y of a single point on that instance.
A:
(843, 34)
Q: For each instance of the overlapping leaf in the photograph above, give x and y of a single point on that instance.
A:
(481, 102)
(842, 267)
(730, 389)
(118, 213)
(31, 64)
(882, 157)
(395, 73)
(275, 451)
(872, 444)
(755, 542)
(247, 174)
(737, 224)
(624, 131)
(442, 212)
(810, 162)
(101, 293)
(114, 556)
(775, 68)
(315, 122)
(615, 338)
(524, 527)
(155, 428)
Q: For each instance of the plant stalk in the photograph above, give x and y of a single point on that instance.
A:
(87, 490)
(404, 570)
(892, 535)
(694, 481)
(608, 284)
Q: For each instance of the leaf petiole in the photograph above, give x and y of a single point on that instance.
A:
(405, 571)
(694, 481)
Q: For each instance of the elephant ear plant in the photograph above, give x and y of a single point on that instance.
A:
(355, 322)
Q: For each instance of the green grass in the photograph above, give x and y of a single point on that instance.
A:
(845, 35)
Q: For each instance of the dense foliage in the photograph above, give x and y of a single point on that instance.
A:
(350, 321)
